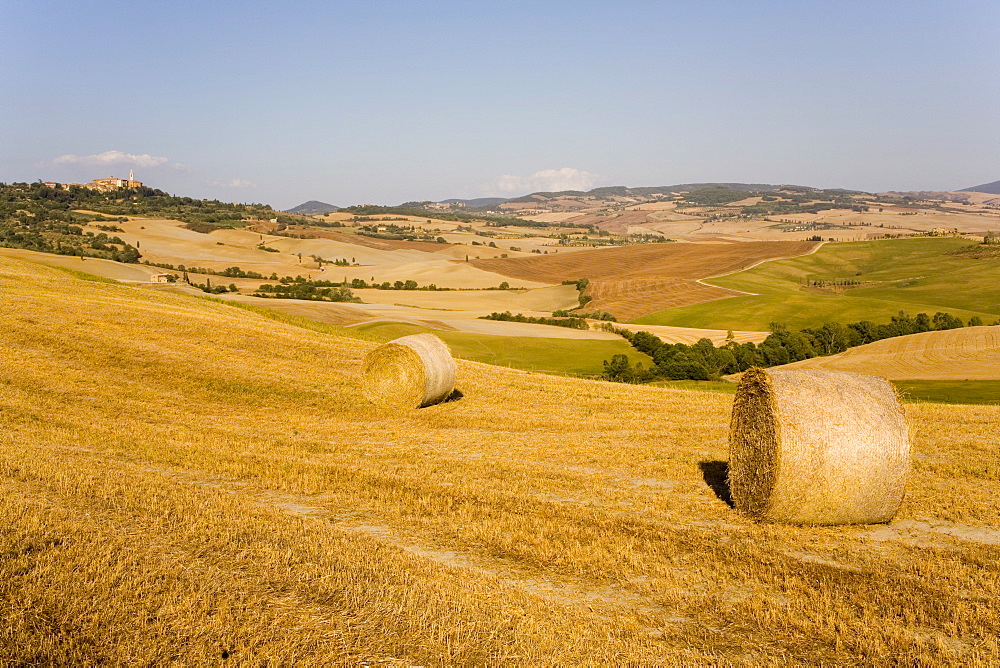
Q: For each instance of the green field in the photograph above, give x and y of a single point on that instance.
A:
(576, 357)
(912, 275)
(950, 392)
(912, 391)
(723, 386)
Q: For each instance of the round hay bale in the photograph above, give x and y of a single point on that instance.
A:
(411, 371)
(817, 447)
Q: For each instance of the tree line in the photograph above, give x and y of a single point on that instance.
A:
(704, 361)
(507, 316)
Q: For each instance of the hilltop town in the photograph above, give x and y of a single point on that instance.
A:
(105, 185)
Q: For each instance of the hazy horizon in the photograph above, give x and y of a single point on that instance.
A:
(390, 102)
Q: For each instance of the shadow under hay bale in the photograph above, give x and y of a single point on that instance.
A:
(410, 372)
(817, 447)
(716, 476)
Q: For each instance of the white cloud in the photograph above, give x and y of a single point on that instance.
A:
(236, 183)
(111, 158)
(546, 180)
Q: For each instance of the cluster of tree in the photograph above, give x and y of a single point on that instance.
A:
(399, 233)
(229, 272)
(211, 289)
(312, 291)
(593, 315)
(42, 233)
(784, 207)
(34, 216)
(393, 285)
(507, 316)
(455, 216)
(714, 196)
(142, 202)
(704, 361)
(581, 286)
(990, 248)
(790, 199)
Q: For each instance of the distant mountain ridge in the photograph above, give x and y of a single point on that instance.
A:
(313, 208)
(478, 203)
(609, 192)
(645, 191)
(989, 188)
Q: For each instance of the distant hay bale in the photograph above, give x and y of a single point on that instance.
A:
(411, 371)
(817, 447)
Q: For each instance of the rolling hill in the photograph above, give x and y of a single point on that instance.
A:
(849, 282)
(185, 481)
(968, 353)
(989, 188)
(630, 281)
(313, 208)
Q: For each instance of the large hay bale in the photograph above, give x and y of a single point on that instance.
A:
(817, 447)
(411, 371)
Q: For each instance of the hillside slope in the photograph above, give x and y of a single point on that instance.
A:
(181, 480)
(631, 281)
(313, 208)
(848, 282)
(969, 353)
(990, 188)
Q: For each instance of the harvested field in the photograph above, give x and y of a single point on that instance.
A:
(636, 297)
(168, 241)
(331, 250)
(331, 313)
(479, 302)
(913, 275)
(632, 281)
(440, 271)
(646, 261)
(617, 223)
(968, 353)
(691, 335)
(182, 481)
(373, 242)
(118, 271)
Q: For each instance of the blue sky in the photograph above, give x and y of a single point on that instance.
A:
(388, 101)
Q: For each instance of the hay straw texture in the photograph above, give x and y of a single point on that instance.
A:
(411, 371)
(817, 447)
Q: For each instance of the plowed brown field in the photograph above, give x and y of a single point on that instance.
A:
(373, 242)
(634, 297)
(630, 281)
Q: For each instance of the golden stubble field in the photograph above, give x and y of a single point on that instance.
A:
(967, 353)
(184, 481)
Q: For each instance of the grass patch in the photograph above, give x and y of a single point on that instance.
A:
(294, 320)
(913, 275)
(84, 276)
(724, 387)
(570, 357)
(950, 391)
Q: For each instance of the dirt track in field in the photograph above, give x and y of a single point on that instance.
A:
(635, 297)
(631, 281)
